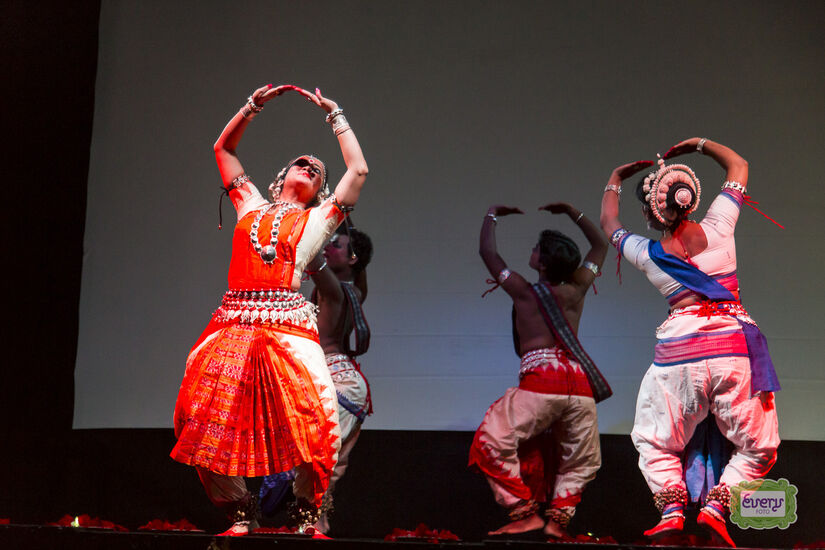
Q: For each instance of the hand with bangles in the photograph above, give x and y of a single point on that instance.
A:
(627, 170)
(500, 210)
(683, 148)
(265, 93)
(612, 191)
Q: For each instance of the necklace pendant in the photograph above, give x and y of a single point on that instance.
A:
(268, 253)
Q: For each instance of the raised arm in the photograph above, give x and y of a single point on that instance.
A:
(610, 201)
(598, 243)
(326, 283)
(244, 195)
(226, 145)
(487, 238)
(736, 168)
(349, 187)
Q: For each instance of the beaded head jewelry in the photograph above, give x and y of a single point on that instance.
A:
(276, 186)
(674, 186)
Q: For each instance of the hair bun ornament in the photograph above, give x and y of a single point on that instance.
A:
(673, 186)
(682, 197)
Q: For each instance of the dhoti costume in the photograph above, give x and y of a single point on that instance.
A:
(354, 404)
(710, 358)
(553, 394)
(554, 400)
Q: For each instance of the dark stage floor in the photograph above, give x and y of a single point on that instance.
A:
(34, 537)
(395, 480)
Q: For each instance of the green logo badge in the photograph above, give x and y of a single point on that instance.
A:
(763, 504)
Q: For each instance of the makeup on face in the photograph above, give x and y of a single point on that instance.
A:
(314, 167)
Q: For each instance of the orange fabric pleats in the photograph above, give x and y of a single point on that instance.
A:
(248, 407)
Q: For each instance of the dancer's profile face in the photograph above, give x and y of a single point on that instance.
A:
(652, 221)
(337, 252)
(535, 258)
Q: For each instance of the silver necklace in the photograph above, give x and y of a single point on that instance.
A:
(268, 253)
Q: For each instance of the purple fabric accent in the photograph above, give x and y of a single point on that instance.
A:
(734, 196)
(273, 490)
(359, 411)
(763, 374)
(705, 457)
(674, 507)
(687, 275)
(717, 506)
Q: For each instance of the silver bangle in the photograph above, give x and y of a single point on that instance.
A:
(339, 124)
(492, 217)
(579, 217)
(333, 114)
(613, 187)
(247, 112)
(701, 145)
(254, 106)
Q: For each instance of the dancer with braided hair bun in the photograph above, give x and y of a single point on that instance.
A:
(710, 357)
(256, 396)
(558, 383)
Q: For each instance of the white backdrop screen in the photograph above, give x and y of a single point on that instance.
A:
(458, 105)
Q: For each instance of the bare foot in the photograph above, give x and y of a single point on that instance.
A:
(553, 529)
(666, 527)
(715, 526)
(530, 523)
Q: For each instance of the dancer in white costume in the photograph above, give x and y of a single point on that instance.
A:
(710, 356)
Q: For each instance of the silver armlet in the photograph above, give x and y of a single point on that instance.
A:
(592, 267)
(735, 185)
(240, 181)
(617, 235)
(341, 207)
(613, 187)
(701, 145)
(503, 276)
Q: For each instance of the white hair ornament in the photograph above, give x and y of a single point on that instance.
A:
(657, 185)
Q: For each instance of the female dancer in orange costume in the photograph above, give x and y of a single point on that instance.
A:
(256, 396)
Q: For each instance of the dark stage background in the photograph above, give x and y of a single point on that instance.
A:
(397, 478)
